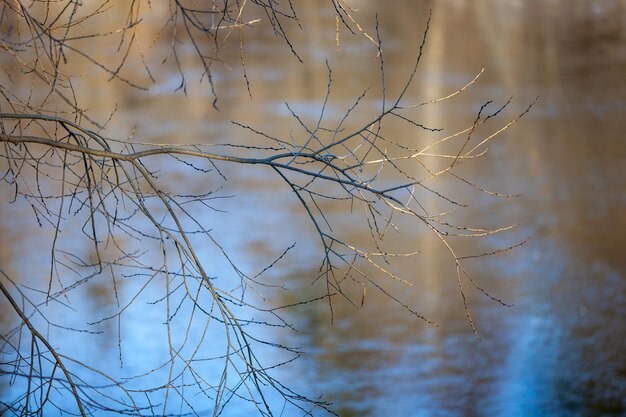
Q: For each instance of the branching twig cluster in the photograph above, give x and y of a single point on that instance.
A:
(64, 170)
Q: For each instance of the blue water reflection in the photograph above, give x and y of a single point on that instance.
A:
(558, 351)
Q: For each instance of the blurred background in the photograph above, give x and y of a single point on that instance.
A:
(561, 349)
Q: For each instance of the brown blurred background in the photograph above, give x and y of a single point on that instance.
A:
(560, 351)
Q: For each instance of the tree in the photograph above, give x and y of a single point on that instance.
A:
(143, 233)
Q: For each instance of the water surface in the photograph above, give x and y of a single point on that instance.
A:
(558, 351)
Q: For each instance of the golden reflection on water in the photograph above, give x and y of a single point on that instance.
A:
(560, 349)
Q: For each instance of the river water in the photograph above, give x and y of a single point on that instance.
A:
(559, 350)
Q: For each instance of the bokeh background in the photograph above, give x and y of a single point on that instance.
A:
(561, 349)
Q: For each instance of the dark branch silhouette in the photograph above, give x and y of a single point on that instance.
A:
(60, 162)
